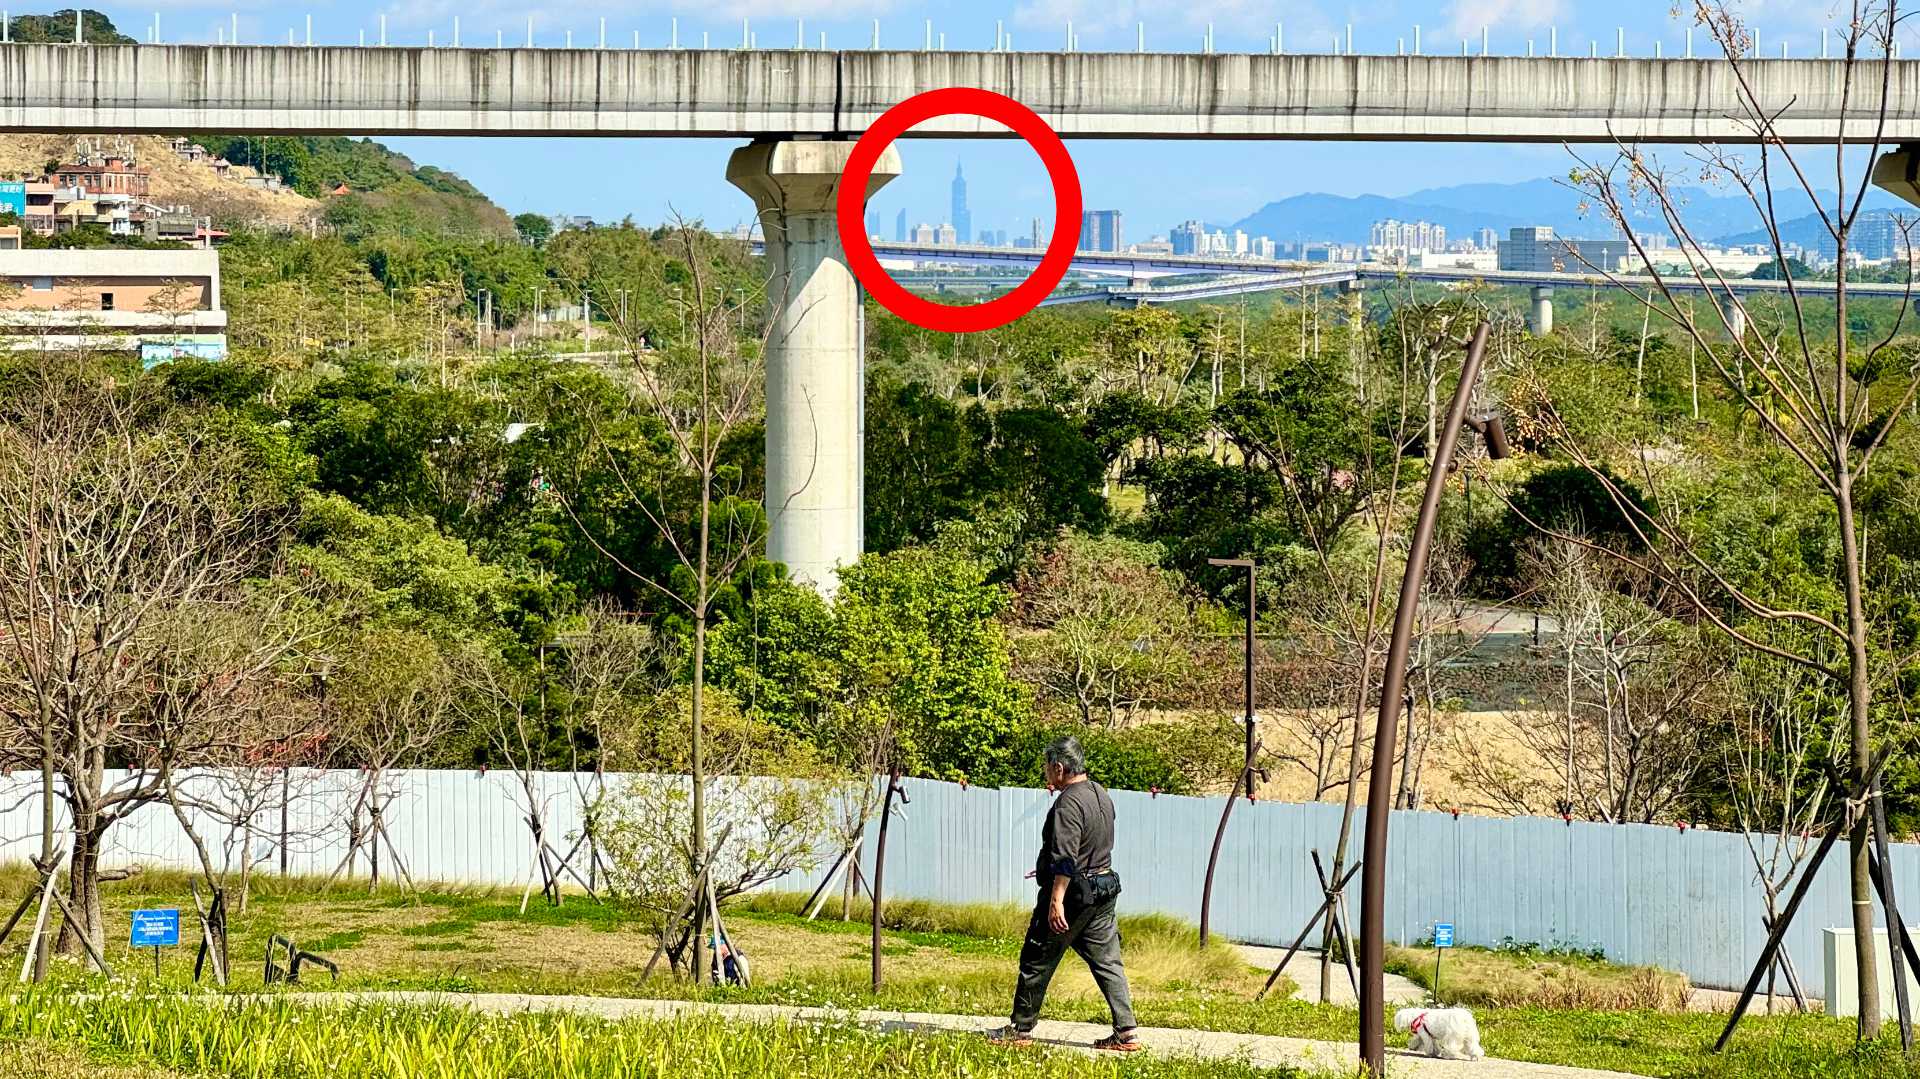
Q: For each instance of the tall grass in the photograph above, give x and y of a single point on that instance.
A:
(281, 1039)
(1157, 947)
(1478, 977)
(991, 921)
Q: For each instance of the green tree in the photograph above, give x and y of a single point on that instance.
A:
(534, 229)
(1104, 631)
(912, 646)
(57, 28)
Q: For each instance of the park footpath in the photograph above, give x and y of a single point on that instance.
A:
(1259, 1049)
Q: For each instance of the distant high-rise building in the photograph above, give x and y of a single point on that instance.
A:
(1537, 249)
(1239, 242)
(962, 219)
(923, 233)
(1189, 238)
(1488, 239)
(1100, 231)
(1037, 237)
(1263, 247)
(1877, 238)
(1401, 237)
(946, 236)
(900, 226)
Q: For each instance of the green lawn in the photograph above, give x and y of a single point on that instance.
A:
(960, 960)
(263, 1037)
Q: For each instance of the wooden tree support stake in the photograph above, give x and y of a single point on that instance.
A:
(1327, 899)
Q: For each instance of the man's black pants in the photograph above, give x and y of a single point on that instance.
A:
(1094, 934)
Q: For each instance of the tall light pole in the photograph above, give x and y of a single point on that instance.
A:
(1373, 874)
(1220, 833)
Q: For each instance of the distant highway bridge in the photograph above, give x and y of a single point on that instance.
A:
(1228, 276)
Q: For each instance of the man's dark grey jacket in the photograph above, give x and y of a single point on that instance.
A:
(1077, 839)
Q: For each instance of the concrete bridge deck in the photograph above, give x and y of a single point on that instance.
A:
(746, 93)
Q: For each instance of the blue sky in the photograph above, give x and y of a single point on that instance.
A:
(1154, 184)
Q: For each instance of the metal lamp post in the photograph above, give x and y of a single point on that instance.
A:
(1213, 860)
(1251, 567)
(1373, 877)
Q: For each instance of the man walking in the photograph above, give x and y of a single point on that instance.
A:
(1075, 907)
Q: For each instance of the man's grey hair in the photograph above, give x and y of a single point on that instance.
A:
(1066, 754)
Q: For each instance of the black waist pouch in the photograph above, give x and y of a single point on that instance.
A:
(1097, 888)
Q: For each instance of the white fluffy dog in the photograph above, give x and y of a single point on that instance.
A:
(1448, 1033)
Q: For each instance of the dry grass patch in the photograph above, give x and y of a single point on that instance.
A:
(1527, 978)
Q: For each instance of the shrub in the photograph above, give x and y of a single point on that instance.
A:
(1187, 756)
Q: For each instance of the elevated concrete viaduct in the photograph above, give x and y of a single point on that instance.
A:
(780, 93)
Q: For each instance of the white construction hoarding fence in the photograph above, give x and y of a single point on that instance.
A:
(1682, 899)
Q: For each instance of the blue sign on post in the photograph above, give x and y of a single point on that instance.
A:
(155, 929)
(13, 198)
(1443, 934)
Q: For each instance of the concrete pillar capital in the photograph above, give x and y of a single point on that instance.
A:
(801, 176)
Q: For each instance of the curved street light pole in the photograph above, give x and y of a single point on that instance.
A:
(1247, 772)
(1373, 876)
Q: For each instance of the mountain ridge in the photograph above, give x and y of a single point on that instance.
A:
(1710, 215)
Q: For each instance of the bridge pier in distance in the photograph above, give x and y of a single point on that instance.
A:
(1735, 315)
(1540, 317)
(1355, 293)
(815, 355)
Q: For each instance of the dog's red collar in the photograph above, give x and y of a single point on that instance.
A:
(1418, 1022)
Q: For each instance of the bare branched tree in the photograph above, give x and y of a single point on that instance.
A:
(128, 536)
(1828, 401)
(1634, 695)
(702, 380)
(1779, 762)
(507, 706)
(611, 662)
(389, 706)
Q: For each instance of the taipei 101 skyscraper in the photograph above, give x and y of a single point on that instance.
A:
(962, 220)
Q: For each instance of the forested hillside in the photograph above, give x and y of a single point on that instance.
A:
(1042, 503)
(386, 193)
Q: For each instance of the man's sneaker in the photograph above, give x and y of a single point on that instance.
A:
(1120, 1041)
(1010, 1035)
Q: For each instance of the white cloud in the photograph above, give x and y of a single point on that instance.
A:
(1466, 17)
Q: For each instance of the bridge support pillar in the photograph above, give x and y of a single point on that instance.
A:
(815, 356)
(1735, 314)
(1540, 318)
(1355, 292)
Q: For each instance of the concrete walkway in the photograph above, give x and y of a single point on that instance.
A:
(1259, 1049)
(1304, 970)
